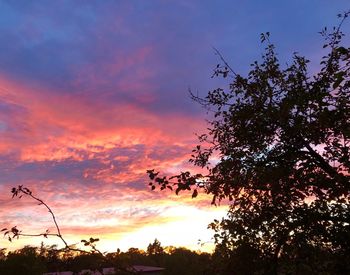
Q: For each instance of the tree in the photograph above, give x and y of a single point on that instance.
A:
(280, 139)
(186, 262)
(23, 261)
(155, 248)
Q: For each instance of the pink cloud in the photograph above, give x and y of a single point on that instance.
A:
(110, 144)
(52, 122)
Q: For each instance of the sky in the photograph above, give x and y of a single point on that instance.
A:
(94, 93)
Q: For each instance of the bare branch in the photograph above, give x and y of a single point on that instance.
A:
(20, 191)
(217, 52)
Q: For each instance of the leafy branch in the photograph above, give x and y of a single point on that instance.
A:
(14, 232)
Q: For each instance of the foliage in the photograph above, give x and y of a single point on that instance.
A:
(31, 260)
(155, 248)
(278, 149)
(23, 261)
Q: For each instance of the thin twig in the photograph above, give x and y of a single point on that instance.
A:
(224, 61)
(29, 193)
(16, 233)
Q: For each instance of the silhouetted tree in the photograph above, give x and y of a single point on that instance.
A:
(186, 262)
(278, 148)
(23, 261)
(155, 248)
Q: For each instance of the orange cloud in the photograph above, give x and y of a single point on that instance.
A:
(87, 158)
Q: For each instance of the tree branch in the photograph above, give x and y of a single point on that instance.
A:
(20, 191)
(224, 61)
(325, 166)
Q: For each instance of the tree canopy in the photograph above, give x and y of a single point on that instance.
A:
(278, 149)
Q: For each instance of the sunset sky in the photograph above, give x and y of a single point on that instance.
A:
(94, 93)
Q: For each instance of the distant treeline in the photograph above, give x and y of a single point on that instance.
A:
(37, 260)
(244, 259)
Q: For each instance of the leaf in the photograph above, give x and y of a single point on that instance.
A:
(339, 78)
(342, 50)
